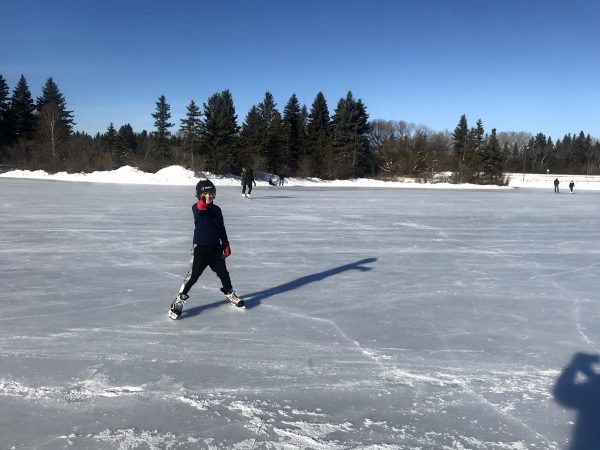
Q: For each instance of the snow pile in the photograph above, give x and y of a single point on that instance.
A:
(173, 175)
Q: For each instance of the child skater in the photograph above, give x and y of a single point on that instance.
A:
(211, 247)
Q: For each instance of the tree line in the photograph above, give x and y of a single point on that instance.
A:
(296, 141)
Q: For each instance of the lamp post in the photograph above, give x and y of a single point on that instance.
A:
(524, 148)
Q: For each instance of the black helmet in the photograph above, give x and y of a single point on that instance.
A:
(205, 187)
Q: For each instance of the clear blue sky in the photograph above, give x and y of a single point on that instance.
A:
(519, 65)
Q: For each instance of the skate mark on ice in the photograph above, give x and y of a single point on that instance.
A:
(557, 274)
(420, 226)
(579, 326)
(123, 438)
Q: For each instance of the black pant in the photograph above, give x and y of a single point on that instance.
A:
(249, 185)
(202, 257)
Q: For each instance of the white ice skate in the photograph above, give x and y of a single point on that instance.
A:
(177, 306)
(234, 299)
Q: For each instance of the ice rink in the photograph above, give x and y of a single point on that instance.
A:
(375, 319)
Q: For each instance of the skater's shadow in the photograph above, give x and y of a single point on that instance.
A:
(578, 387)
(255, 298)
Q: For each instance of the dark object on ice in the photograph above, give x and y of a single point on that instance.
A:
(578, 387)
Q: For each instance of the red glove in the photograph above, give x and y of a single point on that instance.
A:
(226, 250)
(201, 205)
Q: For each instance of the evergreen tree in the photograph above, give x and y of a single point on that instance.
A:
(219, 133)
(474, 154)
(274, 143)
(537, 150)
(267, 109)
(293, 131)
(6, 127)
(21, 111)
(126, 145)
(252, 141)
(304, 164)
(319, 152)
(111, 145)
(52, 95)
(492, 161)
(271, 123)
(350, 127)
(460, 140)
(590, 155)
(127, 139)
(162, 124)
(191, 130)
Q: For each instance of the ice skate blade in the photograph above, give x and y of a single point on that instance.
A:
(174, 316)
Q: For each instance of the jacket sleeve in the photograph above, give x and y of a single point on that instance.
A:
(221, 226)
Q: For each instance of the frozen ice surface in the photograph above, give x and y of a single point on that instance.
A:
(376, 318)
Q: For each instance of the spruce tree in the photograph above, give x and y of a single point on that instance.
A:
(350, 127)
(274, 143)
(111, 146)
(127, 138)
(6, 127)
(492, 161)
(162, 133)
(219, 133)
(191, 129)
(473, 156)
(272, 133)
(52, 95)
(292, 129)
(267, 109)
(252, 141)
(21, 111)
(460, 141)
(319, 141)
(304, 165)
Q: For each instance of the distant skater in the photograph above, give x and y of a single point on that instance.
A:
(556, 183)
(571, 186)
(247, 181)
(281, 179)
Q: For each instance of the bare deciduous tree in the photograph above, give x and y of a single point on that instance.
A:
(51, 127)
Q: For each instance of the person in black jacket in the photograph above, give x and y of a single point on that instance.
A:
(556, 183)
(571, 186)
(247, 180)
(211, 247)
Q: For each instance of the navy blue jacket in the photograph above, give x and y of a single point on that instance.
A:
(209, 229)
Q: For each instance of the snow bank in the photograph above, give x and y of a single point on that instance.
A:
(179, 176)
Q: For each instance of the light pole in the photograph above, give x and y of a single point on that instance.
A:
(524, 148)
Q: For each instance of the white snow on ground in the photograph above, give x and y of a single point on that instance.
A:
(376, 318)
(179, 176)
